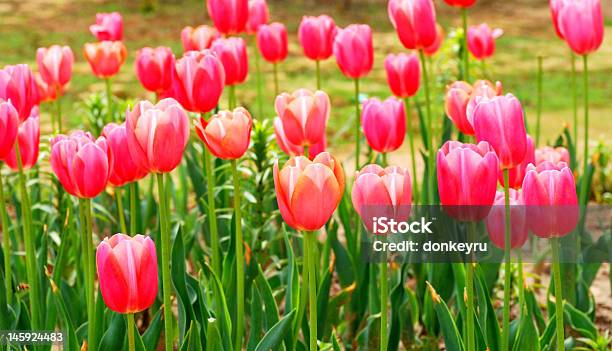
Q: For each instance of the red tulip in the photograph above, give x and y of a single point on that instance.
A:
(384, 123)
(9, 126)
(500, 122)
(198, 38)
(105, 58)
(414, 21)
(55, 65)
(467, 176)
(233, 54)
(227, 134)
(308, 192)
(258, 15)
(481, 40)
(155, 68)
(109, 26)
(83, 165)
(157, 134)
(496, 220)
(229, 16)
(17, 85)
(435, 46)
(555, 8)
(403, 74)
(199, 79)
(125, 168)
(29, 142)
(316, 35)
(549, 191)
(460, 3)
(304, 115)
(354, 50)
(581, 24)
(379, 192)
(292, 149)
(517, 174)
(272, 42)
(554, 155)
(127, 272)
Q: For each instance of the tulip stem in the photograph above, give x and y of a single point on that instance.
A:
(384, 293)
(276, 89)
(357, 125)
(165, 253)
(521, 278)
(259, 82)
(130, 325)
(554, 242)
(212, 217)
(466, 58)
(415, 187)
(58, 102)
(231, 97)
(6, 245)
(119, 200)
(87, 247)
(469, 282)
(133, 214)
(239, 258)
(384, 159)
(430, 159)
(318, 74)
(312, 288)
(109, 100)
(584, 189)
(574, 96)
(303, 291)
(507, 282)
(539, 101)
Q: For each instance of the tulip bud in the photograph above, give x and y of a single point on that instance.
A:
(227, 134)
(582, 25)
(109, 26)
(384, 123)
(105, 58)
(304, 115)
(55, 65)
(29, 142)
(481, 40)
(17, 85)
(292, 149)
(272, 42)
(496, 220)
(316, 35)
(403, 74)
(198, 38)
(258, 15)
(125, 168)
(354, 50)
(155, 68)
(414, 21)
(517, 174)
(233, 54)
(9, 126)
(229, 16)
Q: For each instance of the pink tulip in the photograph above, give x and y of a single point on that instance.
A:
(157, 134)
(403, 74)
(554, 155)
(555, 8)
(481, 40)
(414, 21)
(155, 68)
(226, 134)
(500, 122)
(9, 126)
(496, 220)
(199, 81)
(109, 26)
(316, 35)
(233, 54)
(127, 272)
(29, 142)
(44, 92)
(229, 16)
(292, 149)
(517, 174)
(105, 58)
(379, 192)
(483, 90)
(460, 3)
(125, 168)
(455, 105)
(55, 65)
(435, 46)
(272, 42)
(304, 115)
(83, 165)
(308, 192)
(549, 191)
(581, 24)
(198, 38)
(258, 15)
(354, 50)
(17, 85)
(467, 176)
(384, 123)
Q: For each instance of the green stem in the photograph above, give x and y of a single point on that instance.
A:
(521, 279)
(109, 100)
(165, 253)
(119, 200)
(584, 190)
(53, 128)
(507, 282)
(469, 281)
(483, 66)
(259, 83)
(318, 74)
(312, 289)
(415, 188)
(558, 294)
(212, 217)
(133, 206)
(91, 275)
(430, 159)
(6, 245)
(239, 258)
(58, 102)
(574, 96)
(539, 101)
(384, 293)
(357, 125)
(130, 325)
(303, 291)
(384, 159)
(276, 89)
(466, 59)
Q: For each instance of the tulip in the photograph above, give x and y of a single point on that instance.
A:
(229, 16)
(316, 35)
(517, 174)
(460, 3)
(483, 90)
(500, 122)
(9, 126)
(384, 124)
(82, 164)
(157, 134)
(481, 40)
(29, 142)
(354, 51)
(127, 272)
(414, 21)
(403, 74)
(199, 80)
(125, 168)
(227, 134)
(17, 85)
(198, 38)
(105, 58)
(455, 105)
(109, 26)
(555, 8)
(155, 68)
(496, 220)
(258, 15)
(304, 116)
(233, 54)
(292, 149)
(272, 42)
(45, 92)
(55, 65)
(581, 24)
(435, 46)
(553, 155)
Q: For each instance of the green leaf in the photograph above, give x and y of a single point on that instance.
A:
(71, 343)
(114, 337)
(452, 339)
(274, 336)
(213, 341)
(271, 311)
(151, 336)
(323, 299)
(527, 335)
(580, 322)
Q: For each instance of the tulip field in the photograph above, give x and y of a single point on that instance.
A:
(306, 175)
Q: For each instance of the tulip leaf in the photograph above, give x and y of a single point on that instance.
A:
(256, 319)
(274, 337)
(71, 343)
(323, 299)
(527, 335)
(115, 335)
(452, 339)
(150, 337)
(580, 322)
(269, 304)
(213, 341)
(186, 313)
(221, 310)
